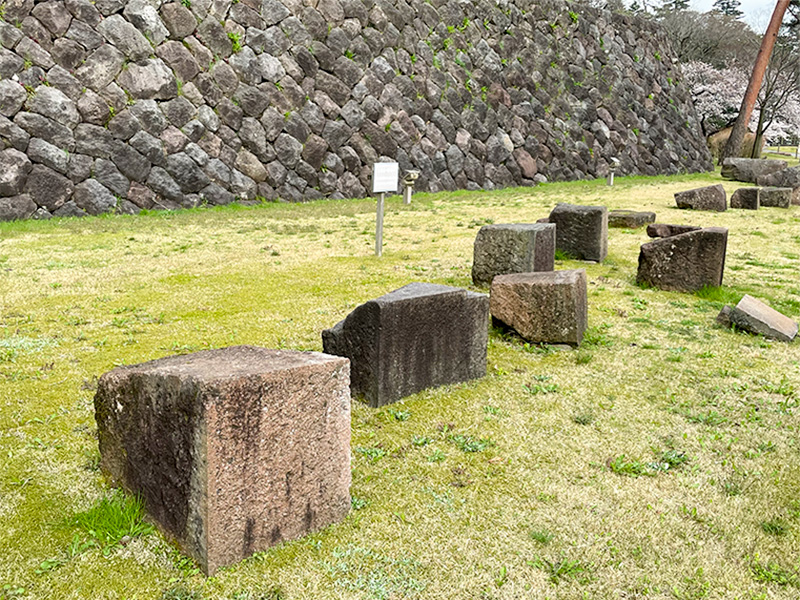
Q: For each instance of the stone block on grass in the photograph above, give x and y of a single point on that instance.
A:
(749, 170)
(581, 231)
(754, 316)
(420, 336)
(746, 198)
(663, 230)
(630, 219)
(512, 248)
(776, 197)
(232, 450)
(547, 308)
(685, 262)
(711, 198)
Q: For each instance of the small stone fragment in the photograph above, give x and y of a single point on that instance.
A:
(754, 316)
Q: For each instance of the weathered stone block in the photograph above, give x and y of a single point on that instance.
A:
(746, 198)
(232, 450)
(776, 197)
(419, 336)
(663, 230)
(581, 231)
(685, 262)
(512, 248)
(706, 198)
(630, 219)
(548, 308)
(786, 178)
(756, 317)
(749, 170)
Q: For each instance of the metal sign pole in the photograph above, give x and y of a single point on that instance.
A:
(379, 226)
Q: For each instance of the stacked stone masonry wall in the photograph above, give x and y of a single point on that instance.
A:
(121, 106)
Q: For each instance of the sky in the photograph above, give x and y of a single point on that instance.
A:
(756, 12)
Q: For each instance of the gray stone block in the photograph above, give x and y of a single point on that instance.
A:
(232, 450)
(630, 219)
(754, 316)
(581, 231)
(711, 198)
(749, 170)
(746, 198)
(685, 262)
(776, 197)
(663, 230)
(419, 336)
(512, 248)
(549, 308)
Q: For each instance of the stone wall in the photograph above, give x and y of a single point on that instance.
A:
(115, 105)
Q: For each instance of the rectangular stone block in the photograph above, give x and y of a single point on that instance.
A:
(754, 316)
(630, 219)
(420, 336)
(750, 169)
(549, 308)
(232, 450)
(581, 231)
(513, 248)
(685, 262)
(663, 230)
(711, 197)
(746, 198)
(776, 197)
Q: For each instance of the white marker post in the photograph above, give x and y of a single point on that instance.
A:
(384, 179)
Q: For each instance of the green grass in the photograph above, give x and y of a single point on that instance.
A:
(658, 460)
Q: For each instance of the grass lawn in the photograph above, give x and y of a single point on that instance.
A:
(659, 460)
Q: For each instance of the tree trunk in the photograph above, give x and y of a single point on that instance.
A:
(734, 145)
(756, 152)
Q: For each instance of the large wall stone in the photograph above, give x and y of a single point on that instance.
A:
(280, 100)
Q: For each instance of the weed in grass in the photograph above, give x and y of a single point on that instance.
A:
(357, 503)
(112, 519)
(436, 456)
(718, 296)
(712, 418)
(374, 454)
(540, 388)
(9, 591)
(583, 357)
(597, 337)
(772, 572)
(563, 569)
(400, 415)
(630, 468)
(775, 526)
(181, 592)
(466, 443)
(583, 418)
(540, 535)
(421, 440)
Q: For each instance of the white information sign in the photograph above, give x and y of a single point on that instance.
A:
(384, 177)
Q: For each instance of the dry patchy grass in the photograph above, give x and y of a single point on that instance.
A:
(659, 460)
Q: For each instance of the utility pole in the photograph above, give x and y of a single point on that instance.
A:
(734, 146)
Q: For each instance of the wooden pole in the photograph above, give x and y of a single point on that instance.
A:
(734, 146)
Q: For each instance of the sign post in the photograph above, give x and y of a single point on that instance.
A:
(384, 179)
